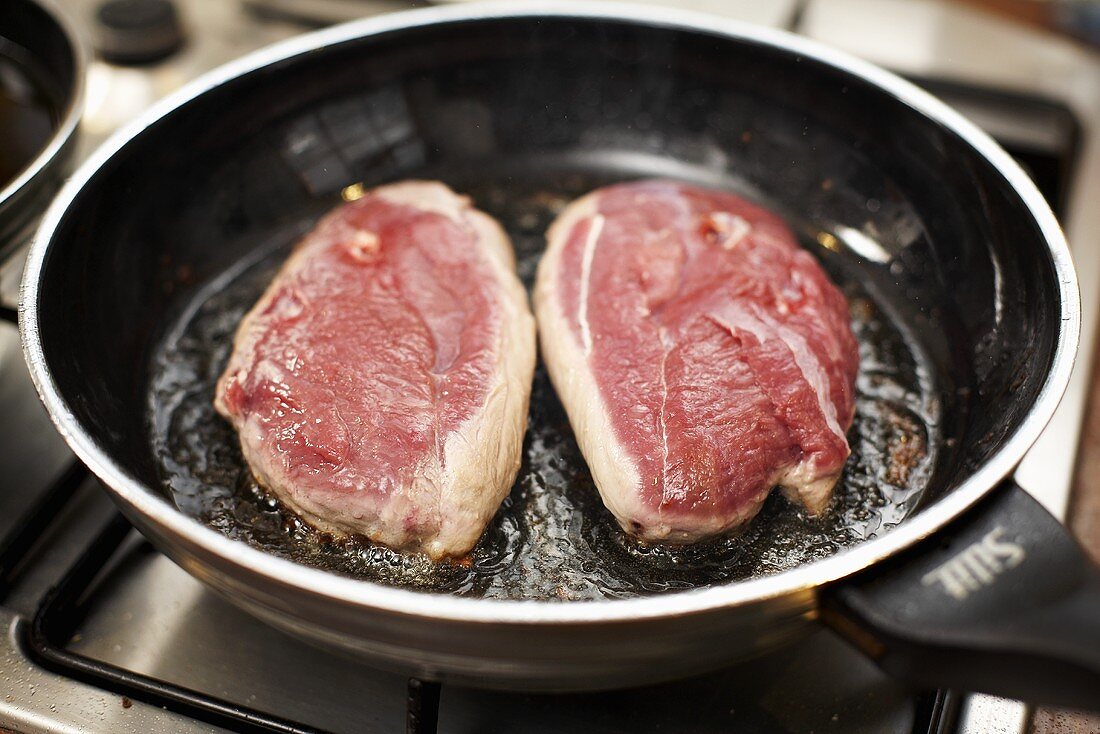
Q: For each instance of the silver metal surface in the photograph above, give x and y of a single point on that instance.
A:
(495, 642)
(150, 617)
(218, 31)
(32, 455)
(207, 658)
(776, 13)
(991, 715)
(70, 116)
(54, 704)
(23, 199)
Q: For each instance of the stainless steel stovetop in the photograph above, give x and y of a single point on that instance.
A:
(102, 633)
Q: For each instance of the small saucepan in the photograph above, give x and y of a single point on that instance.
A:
(41, 100)
(962, 289)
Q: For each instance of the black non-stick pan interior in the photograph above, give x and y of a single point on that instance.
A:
(952, 291)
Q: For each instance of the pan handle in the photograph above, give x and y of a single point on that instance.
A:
(1002, 601)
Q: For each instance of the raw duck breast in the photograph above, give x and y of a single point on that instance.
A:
(703, 357)
(380, 385)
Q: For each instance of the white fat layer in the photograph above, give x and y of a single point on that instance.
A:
(594, 230)
(664, 404)
(731, 228)
(613, 470)
(429, 196)
(482, 457)
(739, 230)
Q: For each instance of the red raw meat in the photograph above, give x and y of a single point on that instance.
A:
(380, 385)
(702, 355)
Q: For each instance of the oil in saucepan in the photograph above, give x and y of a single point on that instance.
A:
(28, 112)
(552, 538)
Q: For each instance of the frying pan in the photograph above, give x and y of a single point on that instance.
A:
(976, 588)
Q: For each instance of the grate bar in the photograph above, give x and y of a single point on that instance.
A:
(34, 522)
(422, 707)
(60, 614)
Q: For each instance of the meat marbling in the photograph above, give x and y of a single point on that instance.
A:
(380, 385)
(703, 357)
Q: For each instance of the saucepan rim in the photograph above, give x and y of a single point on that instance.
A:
(74, 108)
(340, 589)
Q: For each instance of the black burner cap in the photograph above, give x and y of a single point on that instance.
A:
(137, 31)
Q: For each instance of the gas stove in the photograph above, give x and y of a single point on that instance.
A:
(102, 633)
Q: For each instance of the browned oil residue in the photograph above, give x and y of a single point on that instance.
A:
(552, 538)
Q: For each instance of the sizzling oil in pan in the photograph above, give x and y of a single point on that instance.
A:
(552, 538)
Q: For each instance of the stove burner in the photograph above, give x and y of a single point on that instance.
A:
(135, 32)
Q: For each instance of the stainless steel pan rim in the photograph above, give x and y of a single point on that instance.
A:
(157, 511)
(71, 115)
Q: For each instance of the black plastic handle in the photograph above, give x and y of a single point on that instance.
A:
(1002, 601)
(9, 314)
